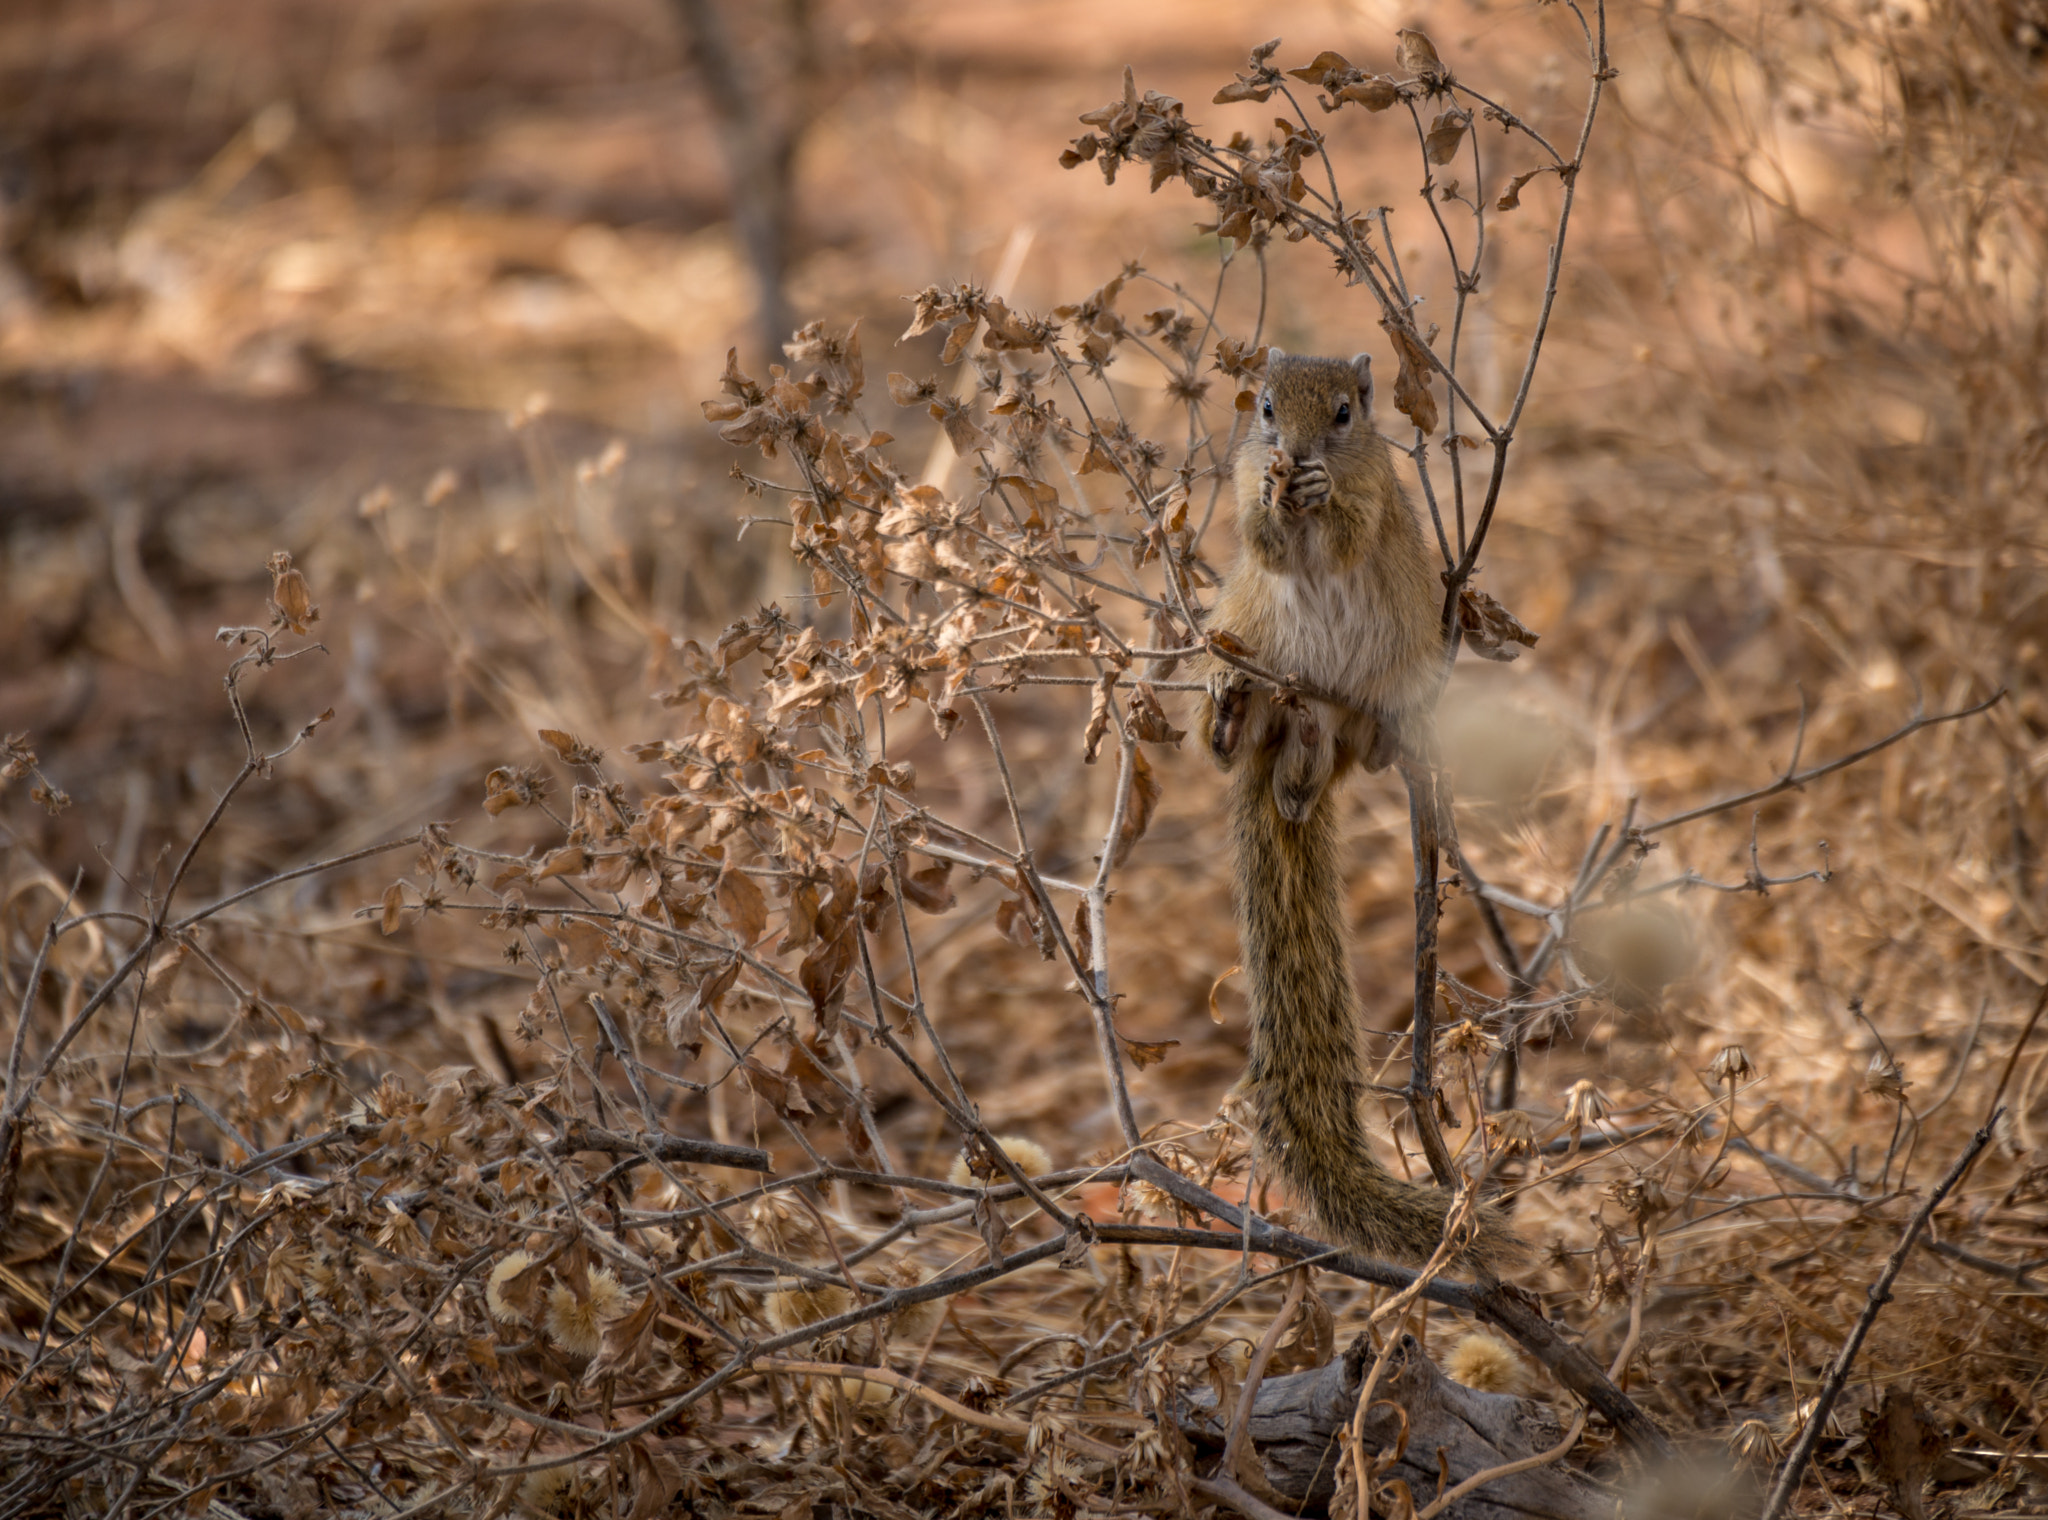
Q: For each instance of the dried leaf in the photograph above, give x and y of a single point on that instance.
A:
(1215, 1008)
(626, 1341)
(583, 943)
(931, 889)
(1098, 717)
(820, 1092)
(776, 1090)
(506, 788)
(1375, 94)
(1445, 133)
(1906, 1443)
(570, 748)
(291, 602)
(1148, 718)
(1412, 395)
(712, 990)
(800, 920)
(571, 861)
(394, 904)
(824, 971)
(745, 909)
(1511, 197)
(1144, 1053)
(1229, 643)
(1319, 70)
(1491, 631)
(657, 1478)
(163, 974)
(1138, 809)
(1416, 54)
(1241, 89)
(1019, 919)
(993, 1226)
(905, 391)
(610, 873)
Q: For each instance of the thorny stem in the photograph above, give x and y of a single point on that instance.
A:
(1422, 824)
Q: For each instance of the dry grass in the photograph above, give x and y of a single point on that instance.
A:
(1778, 488)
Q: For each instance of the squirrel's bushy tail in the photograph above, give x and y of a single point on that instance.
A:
(1303, 1074)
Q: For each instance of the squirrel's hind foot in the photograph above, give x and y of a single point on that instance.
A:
(1306, 764)
(1229, 698)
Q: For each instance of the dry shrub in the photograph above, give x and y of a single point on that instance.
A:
(566, 1164)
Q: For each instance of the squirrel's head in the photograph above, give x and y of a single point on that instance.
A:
(1314, 411)
(1315, 408)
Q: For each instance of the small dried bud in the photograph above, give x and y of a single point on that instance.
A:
(1884, 1078)
(1513, 1132)
(1755, 1443)
(1469, 1039)
(1732, 1065)
(1585, 1104)
(1643, 1198)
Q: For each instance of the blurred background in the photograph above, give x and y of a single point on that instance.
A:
(427, 292)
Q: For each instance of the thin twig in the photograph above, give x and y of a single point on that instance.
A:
(1880, 1295)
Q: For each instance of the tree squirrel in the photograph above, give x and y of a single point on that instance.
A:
(1333, 584)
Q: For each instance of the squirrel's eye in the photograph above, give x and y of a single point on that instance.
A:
(1343, 413)
(1267, 408)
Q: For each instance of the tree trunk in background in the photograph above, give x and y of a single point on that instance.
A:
(759, 143)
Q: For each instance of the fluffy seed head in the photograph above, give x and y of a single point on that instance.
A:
(1030, 1156)
(858, 1393)
(805, 1304)
(1488, 1364)
(576, 1321)
(914, 1324)
(549, 1489)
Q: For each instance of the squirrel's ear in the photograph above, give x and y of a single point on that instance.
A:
(1274, 354)
(1363, 364)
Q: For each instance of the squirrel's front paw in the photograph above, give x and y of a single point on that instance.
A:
(1309, 485)
(1229, 696)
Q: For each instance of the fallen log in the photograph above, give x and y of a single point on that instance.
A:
(1452, 1433)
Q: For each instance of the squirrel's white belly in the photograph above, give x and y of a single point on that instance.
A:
(1335, 632)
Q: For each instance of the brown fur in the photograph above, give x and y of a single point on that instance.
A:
(1334, 585)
